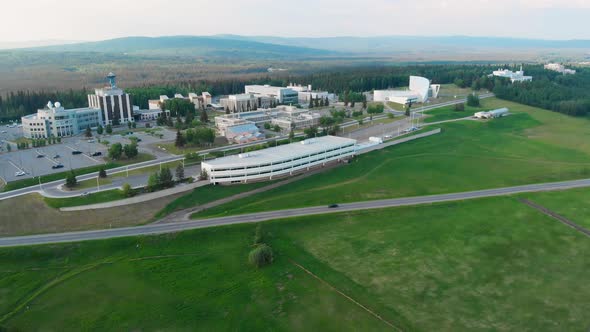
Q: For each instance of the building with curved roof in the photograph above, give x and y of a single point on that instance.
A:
(419, 91)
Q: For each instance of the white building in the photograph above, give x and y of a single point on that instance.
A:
(244, 102)
(149, 115)
(517, 76)
(305, 93)
(559, 68)
(419, 91)
(497, 113)
(55, 121)
(281, 94)
(114, 102)
(284, 160)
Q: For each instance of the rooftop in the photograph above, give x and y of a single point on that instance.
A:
(280, 153)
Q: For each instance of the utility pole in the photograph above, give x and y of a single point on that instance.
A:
(97, 184)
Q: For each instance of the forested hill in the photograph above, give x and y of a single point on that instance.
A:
(189, 46)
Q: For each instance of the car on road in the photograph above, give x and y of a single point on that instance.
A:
(90, 141)
(76, 152)
(19, 173)
(84, 194)
(4, 131)
(387, 136)
(331, 206)
(97, 153)
(57, 166)
(40, 155)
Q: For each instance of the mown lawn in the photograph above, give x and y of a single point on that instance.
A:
(206, 194)
(573, 204)
(93, 198)
(529, 146)
(487, 264)
(449, 113)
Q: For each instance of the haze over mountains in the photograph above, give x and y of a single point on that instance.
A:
(272, 46)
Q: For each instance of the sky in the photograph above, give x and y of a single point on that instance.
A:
(80, 20)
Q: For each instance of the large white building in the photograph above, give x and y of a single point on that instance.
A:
(419, 91)
(559, 68)
(115, 104)
(514, 76)
(281, 94)
(279, 161)
(55, 121)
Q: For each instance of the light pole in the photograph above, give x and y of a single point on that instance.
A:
(40, 187)
(97, 184)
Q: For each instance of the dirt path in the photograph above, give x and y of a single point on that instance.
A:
(554, 215)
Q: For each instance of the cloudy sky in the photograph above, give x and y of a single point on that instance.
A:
(28, 20)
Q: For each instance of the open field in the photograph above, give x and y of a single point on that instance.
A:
(487, 264)
(449, 113)
(572, 204)
(93, 198)
(29, 214)
(206, 194)
(530, 146)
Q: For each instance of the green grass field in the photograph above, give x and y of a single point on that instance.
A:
(530, 146)
(573, 204)
(487, 264)
(449, 113)
(93, 198)
(206, 194)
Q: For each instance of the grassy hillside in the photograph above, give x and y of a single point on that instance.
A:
(530, 146)
(488, 264)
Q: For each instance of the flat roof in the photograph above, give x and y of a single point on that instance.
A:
(282, 152)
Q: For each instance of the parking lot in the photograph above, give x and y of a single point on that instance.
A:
(41, 161)
(44, 160)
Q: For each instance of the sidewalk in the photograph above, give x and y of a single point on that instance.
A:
(138, 199)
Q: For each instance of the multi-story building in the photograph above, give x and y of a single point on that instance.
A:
(275, 162)
(514, 76)
(244, 102)
(281, 94)
(114, 103)
(559, 68)
(55, 121)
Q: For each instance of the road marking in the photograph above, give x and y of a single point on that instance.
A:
(13, 164)
(85, 155)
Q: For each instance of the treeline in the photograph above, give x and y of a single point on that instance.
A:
(562, 93)
(567, 94)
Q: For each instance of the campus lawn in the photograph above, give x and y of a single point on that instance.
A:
(93, 198)
(449, 113)
(206, 194)
(188, 281)
(486, 264)
(573, 204)
(530, 146)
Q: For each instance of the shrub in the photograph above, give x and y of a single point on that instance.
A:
(102, 173)
(260, 256)
(127, 190)
(459, 107)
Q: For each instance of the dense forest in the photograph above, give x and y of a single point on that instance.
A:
(562, 93)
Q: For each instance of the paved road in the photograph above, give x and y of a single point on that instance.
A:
(255, 217)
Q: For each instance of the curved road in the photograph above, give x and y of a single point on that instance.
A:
(255, 217)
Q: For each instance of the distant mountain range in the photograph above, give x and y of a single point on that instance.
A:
(388, 44)
(189, 46)
(295, 48)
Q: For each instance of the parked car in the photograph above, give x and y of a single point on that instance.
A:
(19, 173)
(40, 155)
(57, 166)
(97, 153)
(56, 156)
(90, 141)
(76, 152)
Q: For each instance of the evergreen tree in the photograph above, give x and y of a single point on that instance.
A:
(179, 142)
(99, 130)
(88, 132)
(109, 129)
(179, 172)
(204, 117)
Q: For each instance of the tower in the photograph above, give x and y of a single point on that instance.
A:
(112, 78)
